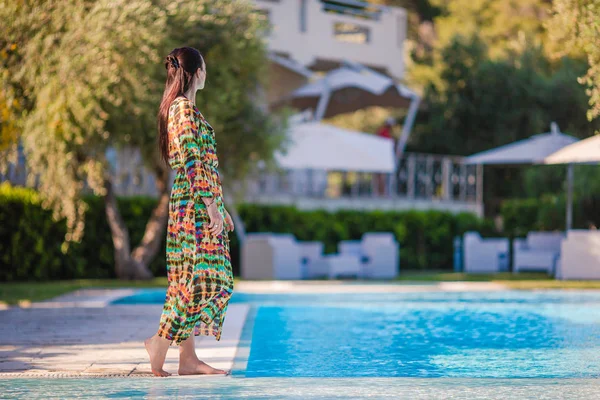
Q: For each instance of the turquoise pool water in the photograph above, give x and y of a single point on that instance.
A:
(445, 335)
(417, 346)
(300, 388)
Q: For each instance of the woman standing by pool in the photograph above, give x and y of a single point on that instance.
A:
(198, 262)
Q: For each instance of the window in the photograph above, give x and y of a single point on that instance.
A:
(302, 15)
(352, 33)
(353, 8)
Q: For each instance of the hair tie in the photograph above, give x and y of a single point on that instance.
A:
(174, 61)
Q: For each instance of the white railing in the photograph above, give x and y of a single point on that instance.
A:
(316, 32)
(423, 181)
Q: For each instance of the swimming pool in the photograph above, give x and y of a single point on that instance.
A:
(460, 335)
(300, 388)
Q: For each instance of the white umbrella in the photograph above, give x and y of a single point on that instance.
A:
(321, 146)
(533, 150)
(585, 151)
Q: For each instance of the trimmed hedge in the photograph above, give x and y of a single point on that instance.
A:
(425, 237)
(30, 240)
(548, 213)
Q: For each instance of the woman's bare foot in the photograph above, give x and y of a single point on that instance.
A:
(197, 367)
(157, 347)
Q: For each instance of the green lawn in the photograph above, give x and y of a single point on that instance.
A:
(13, 293)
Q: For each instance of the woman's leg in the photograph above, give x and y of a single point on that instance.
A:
(189, 364)
(157, 350)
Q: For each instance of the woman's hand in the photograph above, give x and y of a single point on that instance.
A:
(215, 226)
(228, 222)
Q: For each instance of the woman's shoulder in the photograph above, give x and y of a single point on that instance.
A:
(182, 102)
(182, 106)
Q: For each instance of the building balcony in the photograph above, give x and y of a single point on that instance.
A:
(422, 181)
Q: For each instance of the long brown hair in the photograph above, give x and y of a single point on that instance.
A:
(181, 64)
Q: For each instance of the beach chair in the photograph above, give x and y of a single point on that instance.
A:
(489, 255)
(377, 252)
(539, 251)
(271, 256)
(580, 255)
(280, 256)
(313, 261)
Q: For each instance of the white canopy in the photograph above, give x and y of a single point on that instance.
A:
(582, 152)
(586, 151)
(321, 146)
(532, 150)
(346, 76)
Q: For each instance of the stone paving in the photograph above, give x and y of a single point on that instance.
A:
(80, 335)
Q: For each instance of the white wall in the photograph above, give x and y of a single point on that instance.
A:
(385, 48)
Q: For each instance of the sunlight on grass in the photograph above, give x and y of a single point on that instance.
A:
(533, 280)
(13, 293)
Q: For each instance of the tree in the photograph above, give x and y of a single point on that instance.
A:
(575, 27)
(505, 27)
(488, 103)
(93, 76)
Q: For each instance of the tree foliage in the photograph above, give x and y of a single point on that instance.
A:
(79, 62)
(504, 26)
(575, 26)
(92, 77)
(488, 103)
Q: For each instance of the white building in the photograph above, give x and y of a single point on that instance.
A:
(321, 34)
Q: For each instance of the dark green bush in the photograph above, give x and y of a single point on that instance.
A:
(547, 213)
(30, 240)
(426, 237)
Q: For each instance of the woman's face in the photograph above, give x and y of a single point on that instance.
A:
(201, 76)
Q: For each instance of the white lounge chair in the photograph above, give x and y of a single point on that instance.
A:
(481, 255)
(280, 256)
(538, 252)
(343, 265)
(313, 261)
(271, 256)
(377, 252)
(580, 255)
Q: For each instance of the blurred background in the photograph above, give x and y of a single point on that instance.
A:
(333, 119)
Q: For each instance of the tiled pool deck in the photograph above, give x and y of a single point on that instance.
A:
(82, 335)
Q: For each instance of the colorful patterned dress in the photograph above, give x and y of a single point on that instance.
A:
(198, 263)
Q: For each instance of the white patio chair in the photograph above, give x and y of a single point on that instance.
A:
(342, 265)
(378, 253)
(312, 259)
(484, 255)
(271, 256)
(580, 255)
(538, 252)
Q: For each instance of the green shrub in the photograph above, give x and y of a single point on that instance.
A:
(30, 240)
(547, 213)
(426, 237)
